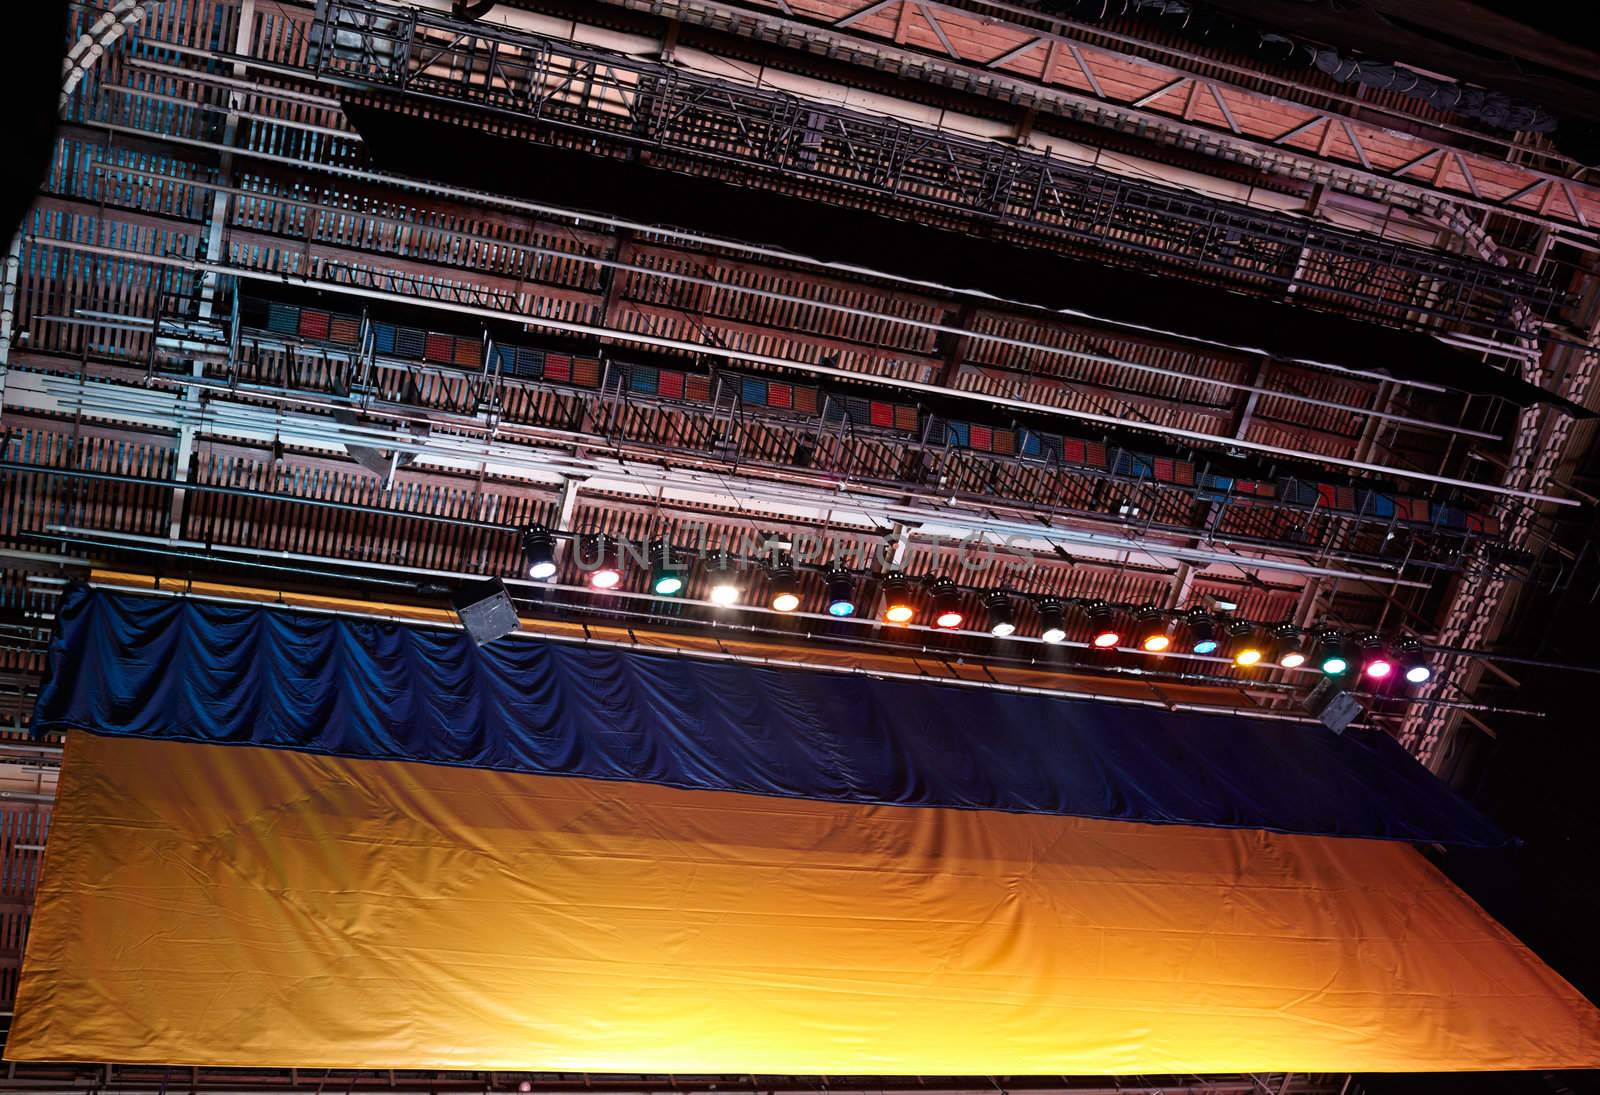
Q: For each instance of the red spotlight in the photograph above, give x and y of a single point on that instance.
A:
(946, 605)
(1103, 618)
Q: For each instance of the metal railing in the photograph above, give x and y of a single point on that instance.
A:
(642, 104)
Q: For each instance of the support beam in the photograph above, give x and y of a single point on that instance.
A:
(1049, 410)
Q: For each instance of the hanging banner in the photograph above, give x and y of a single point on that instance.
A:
(217, 905)
(190, 670)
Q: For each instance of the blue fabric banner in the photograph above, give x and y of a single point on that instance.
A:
(183, 669)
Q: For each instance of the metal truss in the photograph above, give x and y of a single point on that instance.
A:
(637, 104)
(1267, 123)
(448, 245)
(726, 434)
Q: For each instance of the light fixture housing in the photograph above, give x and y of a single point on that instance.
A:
(723, 588)
(1202, 629)
(539, 549)
(1002, 617)
(597, 555)
(897, 606)
(1413, 666)
(1376, 664)
(1246, 647)
(841, 593)
(1153, 631)
(1103, 619)
(946, 605)
(1052, 621)
(1289, 646)
(666, 580)
(1329, 654)
(783, 588)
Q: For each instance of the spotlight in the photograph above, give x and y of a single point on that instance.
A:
(946, 605)
(897, 608)
(598, 554)
(1413, 666)
(1002, 622)
(1052, 623)
(666, 580)
(1375, 660)
(1153, 633)
(1202, 631)
(841, 593)
(1246, 647)
(783, 588)
(539, 548)
(724, 589)
(1289, 649)
(1103, 618)
(1329, 654)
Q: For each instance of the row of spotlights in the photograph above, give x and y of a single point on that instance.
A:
(1155, 631)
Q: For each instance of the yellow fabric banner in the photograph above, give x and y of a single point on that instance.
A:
(218, 905)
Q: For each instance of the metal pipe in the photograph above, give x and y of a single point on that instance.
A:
(64, 531)
(1515, 659)
(567, 327)
(64, 534)
(901, 649)
(107, 538)
(29, 748)
(320, 1081)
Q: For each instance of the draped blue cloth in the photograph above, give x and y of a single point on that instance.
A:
(184, 669)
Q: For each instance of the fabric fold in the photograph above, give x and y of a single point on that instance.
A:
(191, 670)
